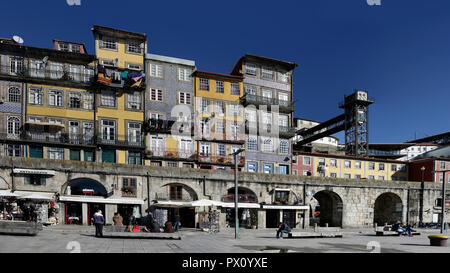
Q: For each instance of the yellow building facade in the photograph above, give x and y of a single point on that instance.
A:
(120, 93)
(219, 122)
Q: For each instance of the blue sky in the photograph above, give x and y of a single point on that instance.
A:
(399, 52)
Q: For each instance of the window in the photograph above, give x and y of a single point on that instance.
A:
(442, 165)
(250, 69)
(13, 150)
(393, 167)
(134, 67)
(371, 177)
(234, 109)
(221, 149)
(184, 98)
(268, 146)
(357, 176)
(88, 132)
(176, 192)
(393, 178)
(108, 98)
(156, 95)
(250, 90)
(283, 97)
(205, 105)
(219, 108)
(134, 132)
(55, 98)
(37, 68)
(252, 143)
(56, 70)
(13, 127)
(219, 87)
(252, 167)
(283, 121)
(381, 166)
(129, 182)
(284, 147)
(16, 66)
(371, 165)
(134, 47)
(108, 43)
(76, 48)
(334, 175)
(283, 169)
(268, 168)
(347, 164)
(220, 127)
(205, 149)
(347, 176)
(283, 77)
(75, 100)
(306, 160)
(380, 177)
(267, 74)
(109, 129)
(36, 180)
(134, 101)
(88, 101)
(63, 47)
(204, 84)
(74, 132)
(172, 164)
(321, 161)
(235, 89)
(184, 74)
(134, 158)
(35, 95)
(14, 94)
(55, 153)
(108, 63)
(88, 74)
(357, 164)
(156, 70)
(333, 163)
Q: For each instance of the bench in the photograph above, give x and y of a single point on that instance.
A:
(120, 232)
(387, 231)
(20, 228)
(295, 235)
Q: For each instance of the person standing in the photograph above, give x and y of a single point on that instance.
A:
(176, 224)
(99, 221)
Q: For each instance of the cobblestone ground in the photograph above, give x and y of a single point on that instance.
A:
(65, 239)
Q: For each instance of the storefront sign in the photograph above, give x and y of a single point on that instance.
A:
(30, 171)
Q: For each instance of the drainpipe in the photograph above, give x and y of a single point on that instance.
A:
(304, 204)
(13, 184)
(204, 188)
(148, 193)
(408, 206)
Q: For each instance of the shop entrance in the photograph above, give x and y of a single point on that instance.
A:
(289, 218)
(92, 209)
(187, 216)
(73, 213)
(272, 218)
(329, 210)
(126, 211)
(388, 209)
(245, 217)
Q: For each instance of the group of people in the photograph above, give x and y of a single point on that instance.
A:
(403, 229)
(149, 224)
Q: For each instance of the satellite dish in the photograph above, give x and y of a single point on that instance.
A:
(17, 39)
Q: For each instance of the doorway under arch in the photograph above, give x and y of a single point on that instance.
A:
(388, 209)
(329, 209)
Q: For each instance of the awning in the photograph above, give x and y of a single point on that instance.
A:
(8, 193)
(44, 196)
(206, 203)
(276, 189)
(241, 205)
(79, 199)
(286, 207)
(31, 171)
(173, 204)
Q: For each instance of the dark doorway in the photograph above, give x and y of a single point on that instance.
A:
(329, 210)
(187, 216)
(125, 211)
(73, 214)
(289, 218)
(92, 209)
(272, 218)
(388, 209)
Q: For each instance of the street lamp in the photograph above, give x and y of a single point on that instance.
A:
(443, 197)
(236, 218)
(422, 188)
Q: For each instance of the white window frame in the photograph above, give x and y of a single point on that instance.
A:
(156, 70)
(56, 98)
(108, 98)
(156, 95)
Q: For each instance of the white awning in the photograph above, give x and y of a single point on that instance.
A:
(8, 193)
(206, 203)
(241, 205)
(286, 207)
(44, 196)
(277, 189)
(31, 171)
(172, 204)
(80, 199)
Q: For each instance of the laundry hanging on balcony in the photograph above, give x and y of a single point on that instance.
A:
(118, 79)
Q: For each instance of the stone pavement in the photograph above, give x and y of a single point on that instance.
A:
(67, 239)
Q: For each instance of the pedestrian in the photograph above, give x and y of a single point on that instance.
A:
(177, 223)
(409, 230)
(168, 227)
(117, 219)
(99, 221)
(282, 228)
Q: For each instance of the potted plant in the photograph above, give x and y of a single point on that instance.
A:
(438, 240)
(254, 220)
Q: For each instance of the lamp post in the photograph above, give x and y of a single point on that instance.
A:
(422, 188)
(443, 197)
(236, 196)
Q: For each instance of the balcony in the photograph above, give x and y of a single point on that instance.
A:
(63, 139)
(122, 141)
(242, 198)
(129, 191)
(48, 75)
(121, 78)
(165, 127)
(266, 129)
(227, 160)
(228, 135)
(284, 106)
(174, 155)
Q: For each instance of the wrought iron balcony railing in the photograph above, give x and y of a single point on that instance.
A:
(267, 128)
(44, 137)
(171, 154)
(219, 159)
(284, 105)
(118, 140)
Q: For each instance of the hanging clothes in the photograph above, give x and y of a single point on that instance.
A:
(138, 83)
(124, 75)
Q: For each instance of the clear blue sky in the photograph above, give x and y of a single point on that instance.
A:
(399, 51)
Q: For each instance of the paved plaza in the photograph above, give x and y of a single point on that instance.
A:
(69, 239)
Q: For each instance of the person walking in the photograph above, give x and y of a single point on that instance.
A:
(176, 224)
(99, 221)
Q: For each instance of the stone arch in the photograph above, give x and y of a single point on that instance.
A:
(78, 184)
(388, 209)
(245, 195)
(3, 184)
(187, 192)
(329, 209)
